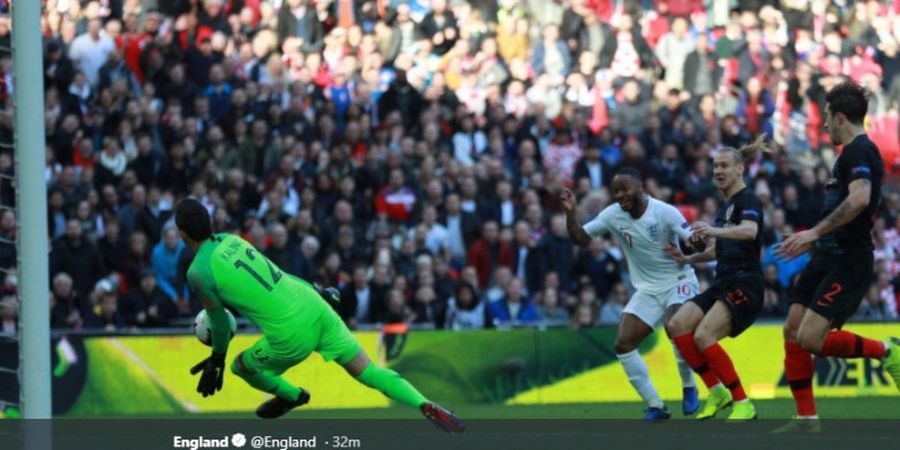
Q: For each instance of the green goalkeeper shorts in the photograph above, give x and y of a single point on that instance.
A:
(327, 335)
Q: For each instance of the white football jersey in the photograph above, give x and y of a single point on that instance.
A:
(643, 241)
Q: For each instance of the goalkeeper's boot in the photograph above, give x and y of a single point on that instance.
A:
(444, 419)
(742, 411)
(9, 412)
(719, 398)
(891, 361)
(331, 295)
(800, 424)
(690, 401)
(277, 407)
(654, 414)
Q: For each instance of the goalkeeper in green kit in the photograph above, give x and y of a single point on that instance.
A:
(294, 317)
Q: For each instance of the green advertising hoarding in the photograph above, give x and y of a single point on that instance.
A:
(148, 375)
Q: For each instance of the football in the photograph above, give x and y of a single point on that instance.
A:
(201, 327)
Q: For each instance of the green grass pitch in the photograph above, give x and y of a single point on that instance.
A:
(828, 408)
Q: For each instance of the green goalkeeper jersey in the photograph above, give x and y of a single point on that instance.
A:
(228, 270)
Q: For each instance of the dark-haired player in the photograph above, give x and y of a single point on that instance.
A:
(831, 287)
(294, 317)
(644, 227)
(733, 301)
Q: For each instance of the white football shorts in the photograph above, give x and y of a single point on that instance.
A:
(651, 307)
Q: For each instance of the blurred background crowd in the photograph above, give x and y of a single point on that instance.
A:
(411, 153)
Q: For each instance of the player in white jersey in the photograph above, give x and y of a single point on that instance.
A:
(643, 227)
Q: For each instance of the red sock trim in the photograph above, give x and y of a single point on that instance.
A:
(721, 365)
(844, 344)
(692, 355)
(799, 369)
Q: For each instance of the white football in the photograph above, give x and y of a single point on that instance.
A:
(201, 327)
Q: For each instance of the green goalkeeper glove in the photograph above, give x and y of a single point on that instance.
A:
(213, 374)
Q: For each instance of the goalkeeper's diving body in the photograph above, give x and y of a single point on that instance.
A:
(294, 317)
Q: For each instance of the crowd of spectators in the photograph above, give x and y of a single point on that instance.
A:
(411, 153)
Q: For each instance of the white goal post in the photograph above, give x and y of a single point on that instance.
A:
(31, 203)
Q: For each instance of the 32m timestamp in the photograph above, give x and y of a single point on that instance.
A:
(343, 442)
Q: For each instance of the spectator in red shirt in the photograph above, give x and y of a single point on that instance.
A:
(489, 253)
(286, 138)
(396, 200)
(132, 44)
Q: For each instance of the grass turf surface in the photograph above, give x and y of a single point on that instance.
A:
(582, 431)
(828, 408)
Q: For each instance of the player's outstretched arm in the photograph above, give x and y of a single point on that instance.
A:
(212, 369)
(856, 202)
(219, 326)
(576, 232)
(860, 191)
(745, 231)
(708, 254)
(677, 224)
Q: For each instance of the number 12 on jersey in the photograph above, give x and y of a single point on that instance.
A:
(273, 271)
